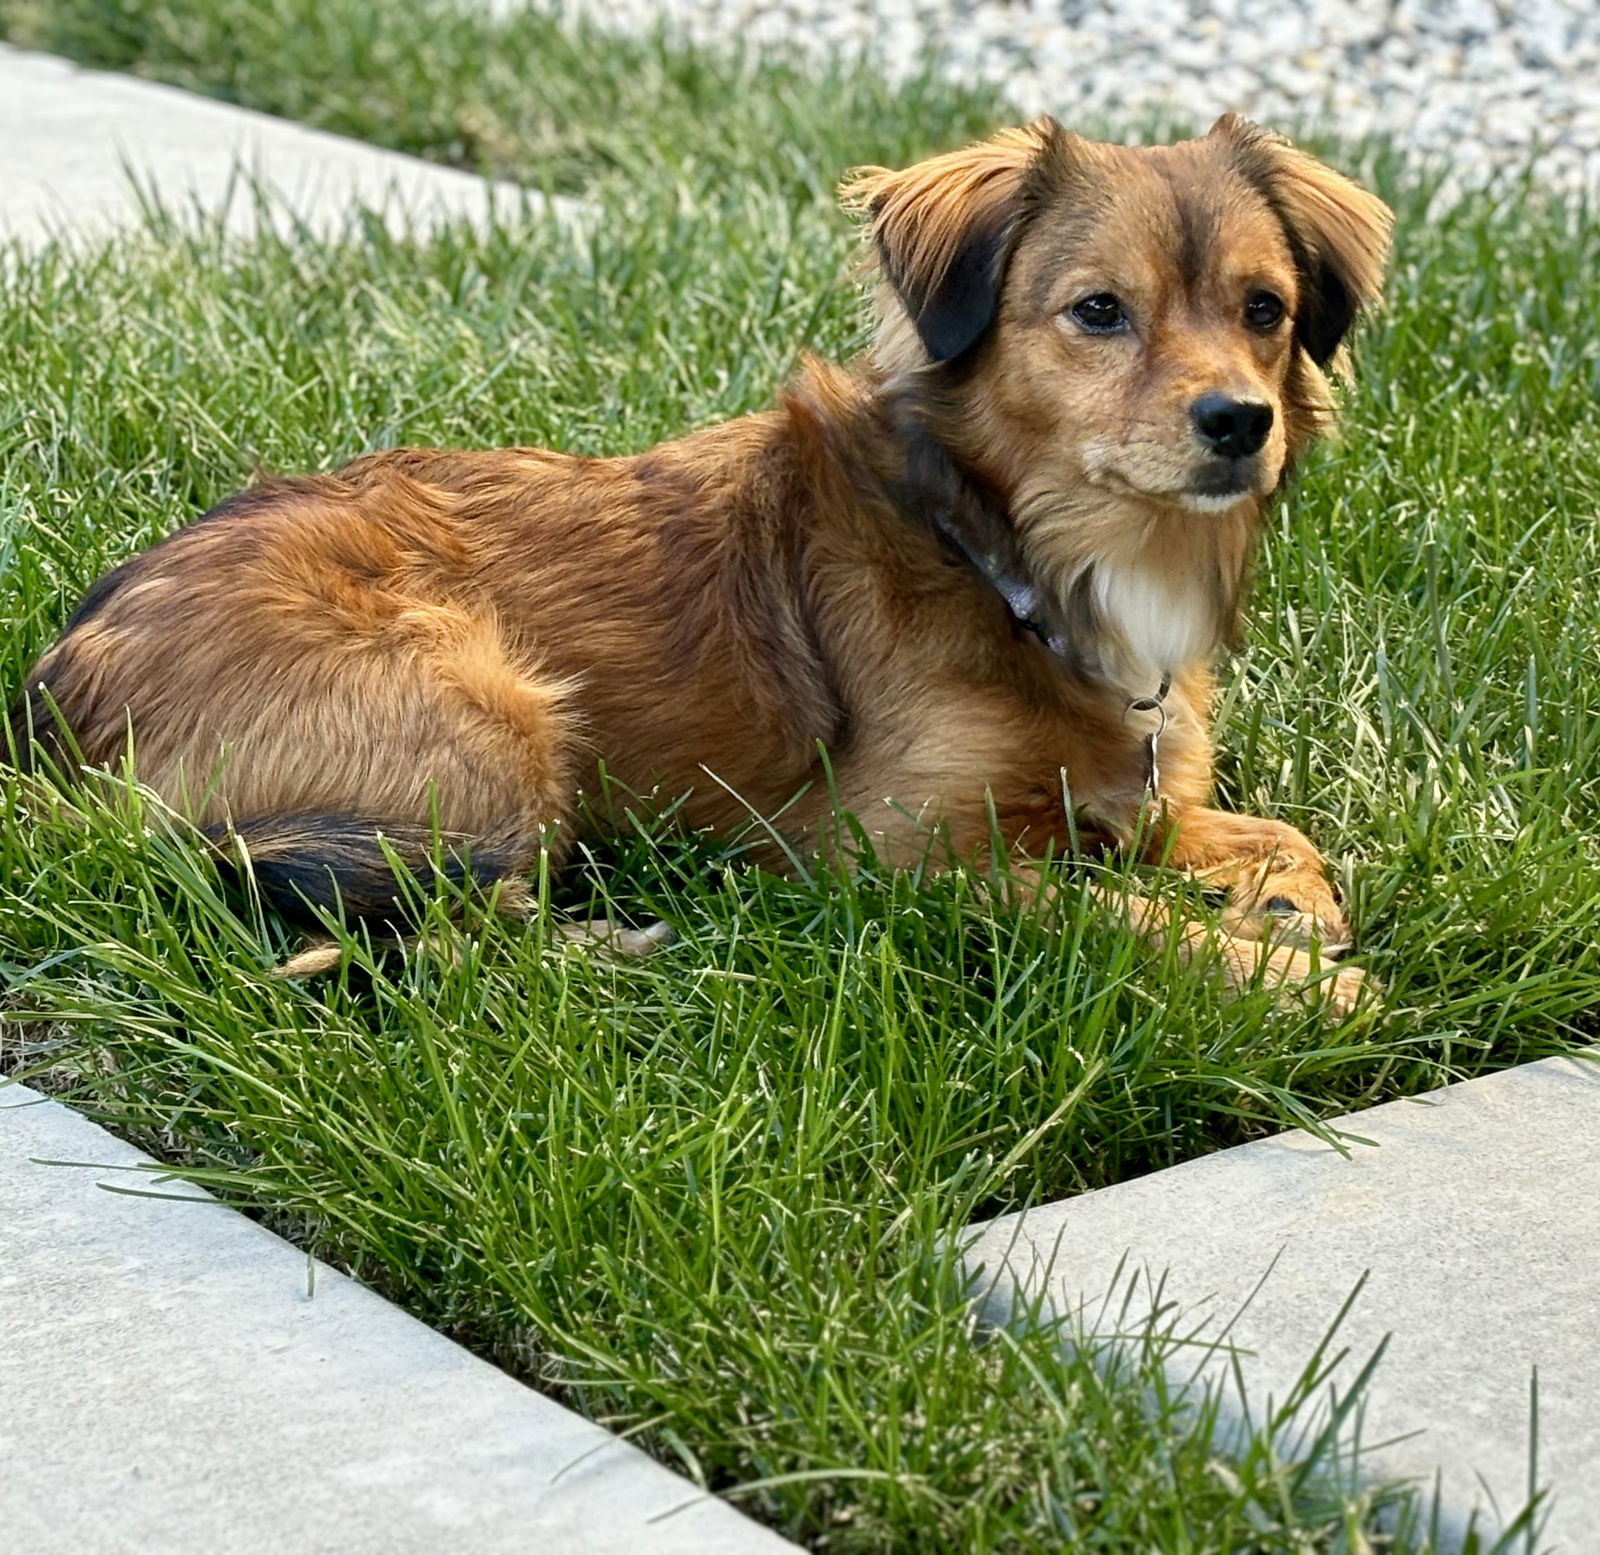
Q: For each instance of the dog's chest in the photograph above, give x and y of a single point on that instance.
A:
(1164, 625)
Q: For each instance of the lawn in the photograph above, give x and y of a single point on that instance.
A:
(707, 1198)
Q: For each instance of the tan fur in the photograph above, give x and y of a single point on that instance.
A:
(467, 638)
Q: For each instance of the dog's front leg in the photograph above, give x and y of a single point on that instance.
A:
(1276, 881)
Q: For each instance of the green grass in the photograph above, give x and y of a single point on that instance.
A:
(708, 1198)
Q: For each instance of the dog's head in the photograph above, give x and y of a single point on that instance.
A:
(1155, 324)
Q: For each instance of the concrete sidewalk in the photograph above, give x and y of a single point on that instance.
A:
(174, 1381)
(77, 146)
(1474, 1215)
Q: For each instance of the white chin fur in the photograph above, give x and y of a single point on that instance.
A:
(1165, 629)
(1201, 502)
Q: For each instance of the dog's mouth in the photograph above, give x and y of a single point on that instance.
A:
(1225, 478)
(1220, 484)
(1205, 486)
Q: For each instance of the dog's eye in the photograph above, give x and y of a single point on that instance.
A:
(1100, 314)
(1262, 310)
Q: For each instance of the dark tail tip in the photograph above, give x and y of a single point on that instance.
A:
(307, 865)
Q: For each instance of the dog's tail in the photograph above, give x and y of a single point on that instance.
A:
(306, 865)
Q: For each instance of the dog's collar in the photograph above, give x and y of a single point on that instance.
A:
(969, 519)
(997, 556)
(1002, 563)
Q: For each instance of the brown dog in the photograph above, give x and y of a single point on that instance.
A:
(985, 570)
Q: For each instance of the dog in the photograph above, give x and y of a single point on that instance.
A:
(970, 586)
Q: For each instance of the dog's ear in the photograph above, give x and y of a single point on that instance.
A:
(1338, 233)
(943, 230)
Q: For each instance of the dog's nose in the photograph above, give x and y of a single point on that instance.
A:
(1236, 428)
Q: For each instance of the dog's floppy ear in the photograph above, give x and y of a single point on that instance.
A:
(943, 230)
(1338, 233)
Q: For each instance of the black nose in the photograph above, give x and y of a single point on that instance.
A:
(1236, 428)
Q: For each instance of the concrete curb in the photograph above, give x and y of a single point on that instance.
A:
(83, 151)
(173, 1380)
(1472, 1212)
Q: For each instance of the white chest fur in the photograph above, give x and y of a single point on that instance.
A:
(1166, 627)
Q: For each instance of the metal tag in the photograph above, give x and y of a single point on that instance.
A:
(1152, 741)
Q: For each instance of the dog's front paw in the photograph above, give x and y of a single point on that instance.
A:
(1291, 907)
(1342, 990)
(1295, 974)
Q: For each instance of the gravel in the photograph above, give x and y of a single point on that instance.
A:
(1488, 84)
